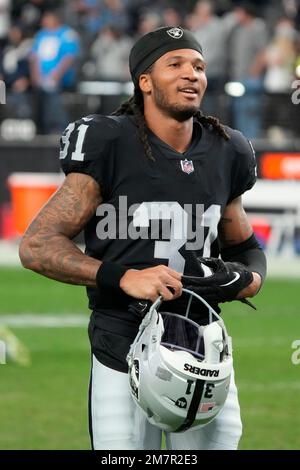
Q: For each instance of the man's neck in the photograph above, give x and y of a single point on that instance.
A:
(177, 135)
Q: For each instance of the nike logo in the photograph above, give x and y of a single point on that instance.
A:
(143, 305)
(237, 276)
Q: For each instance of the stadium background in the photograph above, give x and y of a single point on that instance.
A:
(44, 354)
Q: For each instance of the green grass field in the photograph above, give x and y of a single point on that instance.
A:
(44, 406)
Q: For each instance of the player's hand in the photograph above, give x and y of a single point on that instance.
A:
(150, 283)
(227, 281)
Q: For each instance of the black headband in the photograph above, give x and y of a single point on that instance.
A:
(153, 45)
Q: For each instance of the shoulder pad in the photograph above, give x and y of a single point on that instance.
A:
(240, 143)
(244, 166)
(86, 146)
(106, 127)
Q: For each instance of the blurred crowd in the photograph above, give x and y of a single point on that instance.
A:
(47, 47)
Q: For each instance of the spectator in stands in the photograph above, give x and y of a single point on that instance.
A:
(208, 30)
(54, 52)
(116, 14)
(190, 21)
(29, 13)
(97, 14)
(110, 54)
(5, 6)
(45, 5)
(171, 17)
(89, 21)
(14, 71)
(279, 58)
(245, 44)
(148, 21)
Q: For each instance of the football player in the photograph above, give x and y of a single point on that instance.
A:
(157, 189)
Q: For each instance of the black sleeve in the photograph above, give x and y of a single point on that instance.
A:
(243, 175)
(249, 253)
(86, 146)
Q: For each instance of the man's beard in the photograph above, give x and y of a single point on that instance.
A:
(178, 112)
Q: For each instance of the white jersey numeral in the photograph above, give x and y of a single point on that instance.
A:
(210, 219)
(77, 155)
(178, 231)
(66, 140)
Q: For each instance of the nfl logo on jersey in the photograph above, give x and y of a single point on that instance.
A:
(187, 166)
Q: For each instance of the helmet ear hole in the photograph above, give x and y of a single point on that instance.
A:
(145, 351)
(149, 413)
(225, 350)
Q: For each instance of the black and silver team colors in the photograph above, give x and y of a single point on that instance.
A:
(164, 211)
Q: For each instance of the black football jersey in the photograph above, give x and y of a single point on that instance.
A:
(164, 211)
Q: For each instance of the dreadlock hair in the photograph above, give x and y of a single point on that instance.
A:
(135, 106)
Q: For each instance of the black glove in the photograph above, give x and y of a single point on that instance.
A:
(226, 281)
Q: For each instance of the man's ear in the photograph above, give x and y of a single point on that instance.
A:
(145, 83)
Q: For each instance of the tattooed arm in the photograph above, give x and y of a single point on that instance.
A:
(47, 247)
(234, 228)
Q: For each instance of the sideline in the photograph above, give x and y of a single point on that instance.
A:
(41, 320)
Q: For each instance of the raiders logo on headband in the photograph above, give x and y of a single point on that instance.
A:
(150, 47)
(175, 33)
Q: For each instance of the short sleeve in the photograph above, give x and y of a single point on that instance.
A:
(244, 172)
(36, 43)
(70, 42)
(86, 146)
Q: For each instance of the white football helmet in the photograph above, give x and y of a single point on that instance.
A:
(179, 371)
